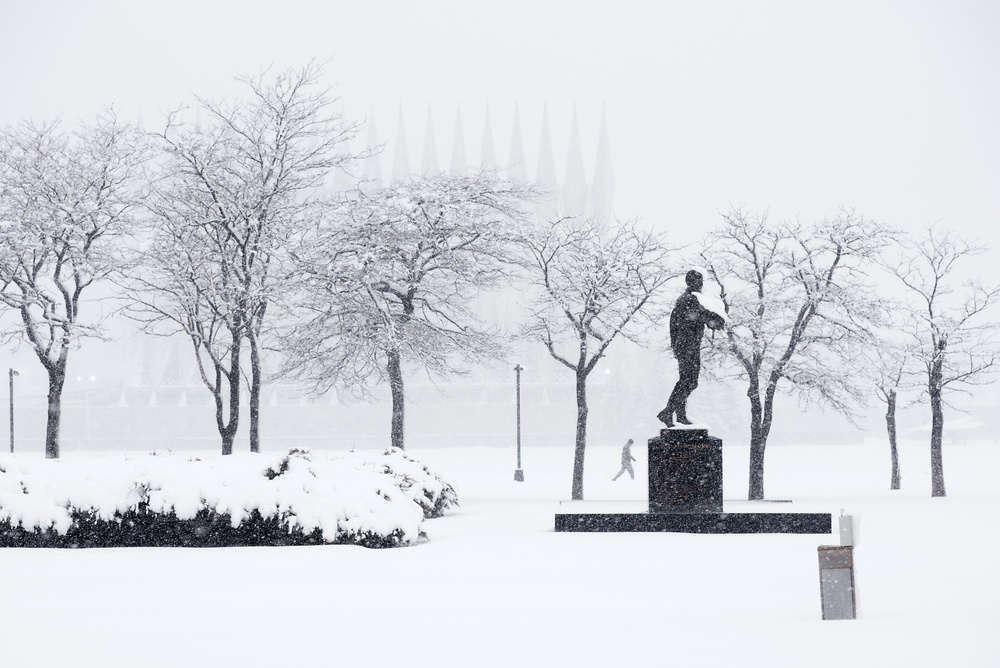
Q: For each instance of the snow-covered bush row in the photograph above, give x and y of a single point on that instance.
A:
(298, 497)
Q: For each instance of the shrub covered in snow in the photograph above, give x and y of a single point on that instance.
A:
(294, 498)
(434, 495)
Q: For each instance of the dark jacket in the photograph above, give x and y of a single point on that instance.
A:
(687, 324)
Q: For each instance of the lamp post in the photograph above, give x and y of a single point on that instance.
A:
(11, 373)
(518, 473)
(614, 401)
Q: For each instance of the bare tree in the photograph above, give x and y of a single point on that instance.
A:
(387, 280)
(887, 363)
(798, 308)
(237, 184)
(66, 202)
(593, 284)
(953, 341)
(184, 284)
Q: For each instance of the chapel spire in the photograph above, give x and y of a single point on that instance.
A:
(458, 162)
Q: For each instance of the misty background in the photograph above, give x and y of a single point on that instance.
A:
(889, 108)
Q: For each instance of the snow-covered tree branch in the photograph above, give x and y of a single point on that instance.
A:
(799, 307)
(231, 190)
(67, 201)
(953, 340)
(592, 283)
(388, 277)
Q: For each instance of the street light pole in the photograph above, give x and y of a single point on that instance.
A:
(518, 473)
(11, 373)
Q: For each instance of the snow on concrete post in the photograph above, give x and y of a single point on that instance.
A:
(847, 534)
(836, 581)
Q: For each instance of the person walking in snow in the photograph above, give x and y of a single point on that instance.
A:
(627, 460)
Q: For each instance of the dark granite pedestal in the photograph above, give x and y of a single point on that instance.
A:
(724, 522)
(685, 472)
(685, 496)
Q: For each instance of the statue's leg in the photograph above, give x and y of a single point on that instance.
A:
(666, 416)
(689, 367)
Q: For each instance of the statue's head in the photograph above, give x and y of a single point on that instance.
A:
(695, 280)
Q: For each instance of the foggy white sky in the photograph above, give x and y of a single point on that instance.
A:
(892, 108)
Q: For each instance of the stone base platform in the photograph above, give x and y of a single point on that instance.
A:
(583, 516)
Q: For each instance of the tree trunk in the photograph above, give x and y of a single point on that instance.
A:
(234, 403)
(395, 370)
(937, 434)
(934, 387)
(758, 438)
(255, 389)
(228, 436)
(57, 379)
(220, 415)
(581, 435)
(227, 428)
(890, 425)
(758, 442)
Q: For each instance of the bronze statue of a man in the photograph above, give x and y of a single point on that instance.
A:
(687, 325)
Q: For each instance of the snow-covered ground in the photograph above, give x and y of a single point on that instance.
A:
(494, 585)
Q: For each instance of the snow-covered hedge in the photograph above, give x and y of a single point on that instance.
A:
(294, 498)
